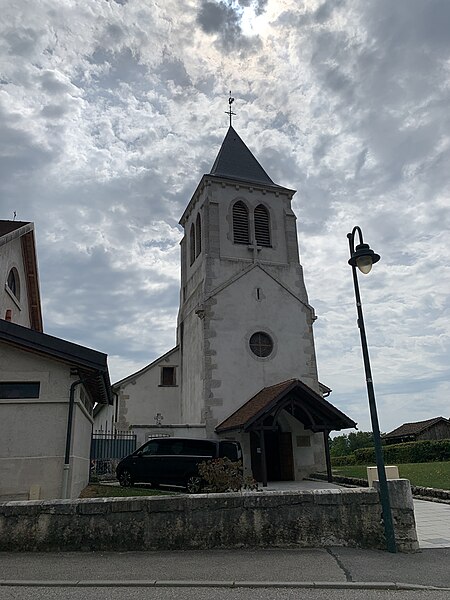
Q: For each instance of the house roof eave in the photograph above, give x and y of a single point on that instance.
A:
(87, 361)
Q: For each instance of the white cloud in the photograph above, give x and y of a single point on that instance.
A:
(111, 111)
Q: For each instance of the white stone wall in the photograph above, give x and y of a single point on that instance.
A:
(141, 397)
(11, 256)
(144, 433)
(33, 431)
(80, 449)
(233, 318)
(193, 369)
(190, 333)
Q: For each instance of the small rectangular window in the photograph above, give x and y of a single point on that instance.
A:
(168, 376)
(19, 389)
(303, 441)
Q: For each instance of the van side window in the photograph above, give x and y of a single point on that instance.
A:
(165, 447)
(229, 450)
(150, 448)
(175, 448)
(199, 448)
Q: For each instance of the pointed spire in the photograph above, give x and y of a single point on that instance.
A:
(235, 161)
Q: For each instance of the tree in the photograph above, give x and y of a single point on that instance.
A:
(339, 445)
(345, 444)
(360, 439)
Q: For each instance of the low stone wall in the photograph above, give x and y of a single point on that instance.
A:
(354, 481)
(348, 517)
(431, 493)
(417, 491)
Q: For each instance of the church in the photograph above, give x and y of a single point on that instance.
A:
(244, 367)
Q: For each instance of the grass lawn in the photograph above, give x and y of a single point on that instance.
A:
(433, 474)
(97, 490)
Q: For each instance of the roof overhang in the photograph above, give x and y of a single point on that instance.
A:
(31, 270)
(91, 366)
(293, 396)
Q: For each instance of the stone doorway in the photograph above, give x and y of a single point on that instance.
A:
(278, 452)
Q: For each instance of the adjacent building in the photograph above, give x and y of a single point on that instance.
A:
(431, 429)
(48, 386)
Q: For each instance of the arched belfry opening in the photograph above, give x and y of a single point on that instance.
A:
(198, 235)
(241, 230)
(262, 226)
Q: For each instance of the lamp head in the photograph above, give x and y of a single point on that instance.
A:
(363, 257)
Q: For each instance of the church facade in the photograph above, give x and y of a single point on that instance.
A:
(245, 365)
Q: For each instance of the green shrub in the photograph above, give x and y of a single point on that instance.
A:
(364, 456)
(408, 452)
(343, 461)
(224, 475)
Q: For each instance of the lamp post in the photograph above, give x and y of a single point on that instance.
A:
(363, 257)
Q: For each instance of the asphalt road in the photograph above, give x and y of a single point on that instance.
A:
(429, 567)
(18, 593)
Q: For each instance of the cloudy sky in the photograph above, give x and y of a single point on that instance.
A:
(110, 112)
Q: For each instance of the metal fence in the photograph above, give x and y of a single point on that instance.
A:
(107, 449)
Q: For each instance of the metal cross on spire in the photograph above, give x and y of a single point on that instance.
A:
(229, 111)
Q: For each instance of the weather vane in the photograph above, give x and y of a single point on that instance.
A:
(229, 111)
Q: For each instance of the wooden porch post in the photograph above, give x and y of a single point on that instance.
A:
(263, 457)
(327, 456)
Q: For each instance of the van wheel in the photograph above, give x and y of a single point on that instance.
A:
(194, 484)
(125, 479)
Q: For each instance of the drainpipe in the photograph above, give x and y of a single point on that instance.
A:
(326, 433)
(66, 469)
(116, 411)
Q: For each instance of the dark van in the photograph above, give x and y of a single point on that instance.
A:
(173, 461)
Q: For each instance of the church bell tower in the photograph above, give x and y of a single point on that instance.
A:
(244, 321)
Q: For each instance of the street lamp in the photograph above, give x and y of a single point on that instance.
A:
(363, 257)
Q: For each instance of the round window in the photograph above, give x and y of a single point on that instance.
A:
(261, 344)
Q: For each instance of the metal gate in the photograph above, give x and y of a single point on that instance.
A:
(107, 449)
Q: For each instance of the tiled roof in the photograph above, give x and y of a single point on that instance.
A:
(254, 405)
(414, 428)
(266, 400)
(235, 161)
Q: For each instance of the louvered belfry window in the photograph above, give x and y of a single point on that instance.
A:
(240, 224)
(192, 244)
(262, 226)
(198, 235)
